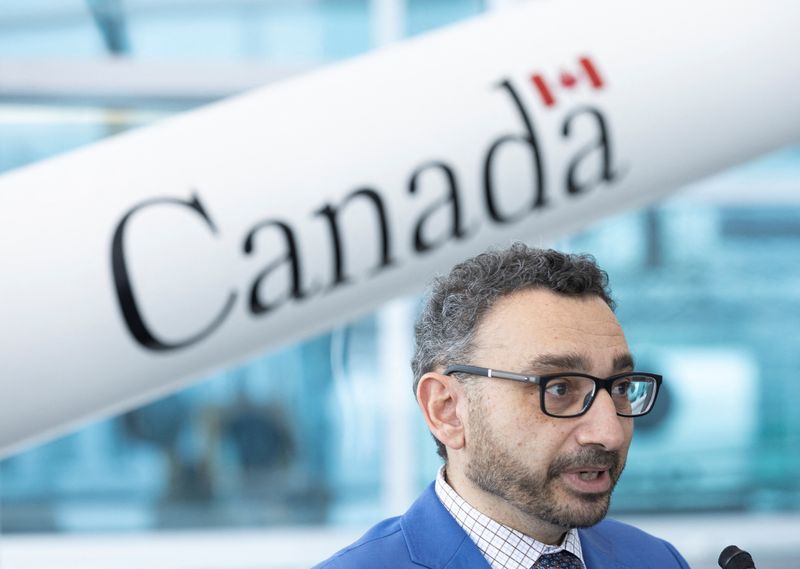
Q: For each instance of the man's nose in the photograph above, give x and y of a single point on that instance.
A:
(602, 426)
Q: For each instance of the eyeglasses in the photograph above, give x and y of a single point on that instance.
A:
(571, 394)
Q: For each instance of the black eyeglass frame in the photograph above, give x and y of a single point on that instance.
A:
(542, 381)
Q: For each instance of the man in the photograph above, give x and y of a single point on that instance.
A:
(526, 382)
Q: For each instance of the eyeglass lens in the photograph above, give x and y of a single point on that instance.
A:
(571, 395)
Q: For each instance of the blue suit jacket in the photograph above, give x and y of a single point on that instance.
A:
(428, 536)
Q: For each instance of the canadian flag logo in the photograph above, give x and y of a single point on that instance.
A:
(567, 81)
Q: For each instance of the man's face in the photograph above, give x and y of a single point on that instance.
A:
(552, 470)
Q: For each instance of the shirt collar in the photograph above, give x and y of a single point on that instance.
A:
(502, 546)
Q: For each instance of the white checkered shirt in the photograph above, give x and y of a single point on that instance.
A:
(503, 547)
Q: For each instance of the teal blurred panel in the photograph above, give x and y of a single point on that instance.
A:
(708, 297)
(426, 15)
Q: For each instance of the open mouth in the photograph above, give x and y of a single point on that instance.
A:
(589, 474)
(589, 480)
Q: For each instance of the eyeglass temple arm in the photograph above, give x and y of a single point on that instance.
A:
(515, 376)
(488, 372)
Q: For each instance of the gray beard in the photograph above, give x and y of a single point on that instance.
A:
(496, 471)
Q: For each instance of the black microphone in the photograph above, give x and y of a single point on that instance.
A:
(734, 558)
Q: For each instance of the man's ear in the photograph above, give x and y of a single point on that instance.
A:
(439, 396)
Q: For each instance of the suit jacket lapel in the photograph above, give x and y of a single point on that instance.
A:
(597, 551)
(435, 539)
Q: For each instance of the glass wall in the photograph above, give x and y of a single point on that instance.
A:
(708, 293)
(269, 30)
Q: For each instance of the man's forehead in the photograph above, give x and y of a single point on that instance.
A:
(564, 332)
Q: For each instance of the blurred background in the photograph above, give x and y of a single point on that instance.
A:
(286, 458)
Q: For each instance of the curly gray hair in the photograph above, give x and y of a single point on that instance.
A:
(457, 301)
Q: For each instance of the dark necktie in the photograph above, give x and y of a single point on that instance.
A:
(561, 560)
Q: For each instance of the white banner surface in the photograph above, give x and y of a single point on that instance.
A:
(130, 267)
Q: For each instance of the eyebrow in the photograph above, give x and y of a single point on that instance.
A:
(623, 362)
(575, 361)
(558, 361)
